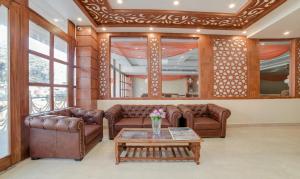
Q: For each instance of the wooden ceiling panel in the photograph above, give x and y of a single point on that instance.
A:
(101, 13)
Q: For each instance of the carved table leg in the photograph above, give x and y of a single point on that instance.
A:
(117, 153)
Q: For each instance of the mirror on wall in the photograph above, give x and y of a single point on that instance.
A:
(180, 67)
(128, 70)
(275, 68)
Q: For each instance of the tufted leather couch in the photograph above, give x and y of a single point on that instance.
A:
(208, 120)
(68, 133)
(137, 116)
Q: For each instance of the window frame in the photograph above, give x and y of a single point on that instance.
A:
(40, 21)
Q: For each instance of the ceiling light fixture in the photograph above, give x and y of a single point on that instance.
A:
(176, 3)
(79, 19)
(103, 29)
(245, 32)
(198, 30)
(231, 6)
(55, 20)
(287, 33)
(151, 28)
(120, 1)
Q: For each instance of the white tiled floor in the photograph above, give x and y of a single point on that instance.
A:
(246, 153)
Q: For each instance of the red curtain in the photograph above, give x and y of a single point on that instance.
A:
(268, 52)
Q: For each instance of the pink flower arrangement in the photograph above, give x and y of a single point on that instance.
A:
(157, 114)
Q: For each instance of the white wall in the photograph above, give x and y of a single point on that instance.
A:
(249, 111)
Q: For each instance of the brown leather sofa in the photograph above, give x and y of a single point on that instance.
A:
(137, 116)
(68, 133)
(208, 120)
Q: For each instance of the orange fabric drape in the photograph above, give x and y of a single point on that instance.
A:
(139, 49)
(268, 52)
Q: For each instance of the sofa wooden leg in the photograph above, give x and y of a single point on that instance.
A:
(78, 160)
(35, 158)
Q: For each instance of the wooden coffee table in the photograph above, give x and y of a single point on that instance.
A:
(139, 144)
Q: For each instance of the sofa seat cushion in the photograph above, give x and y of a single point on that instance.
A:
(206, 123)
(90, 132)
(129, 123)
(148, 123)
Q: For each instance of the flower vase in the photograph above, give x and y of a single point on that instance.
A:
(156, 125)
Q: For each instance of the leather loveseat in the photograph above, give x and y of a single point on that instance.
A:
(137, 116)
(68, 133)
(208, 120)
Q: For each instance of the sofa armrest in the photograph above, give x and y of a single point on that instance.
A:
(174, 115)
(218, 113)
(113, 115)
(188, 115)
(53, 122)
(95, 116)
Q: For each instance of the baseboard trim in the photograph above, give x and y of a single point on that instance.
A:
(262, 125)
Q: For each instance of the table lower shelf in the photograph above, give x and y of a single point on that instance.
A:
(144, 153)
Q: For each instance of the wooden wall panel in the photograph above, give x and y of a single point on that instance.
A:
(87, 68)
(253, 69)
(295, 68)
(154, 66)
(104, 65)
(230, 67)
(206, 67)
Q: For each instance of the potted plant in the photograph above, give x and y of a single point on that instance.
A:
(156, 118)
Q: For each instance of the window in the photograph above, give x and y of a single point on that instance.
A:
(274, 68)
(4, 83)
(39, 39)
(129, 67)
(39, 71)
(48, 72)
(180, 67)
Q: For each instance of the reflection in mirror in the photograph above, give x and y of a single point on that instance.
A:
(180, 67)
(274, 68)
(128, 70)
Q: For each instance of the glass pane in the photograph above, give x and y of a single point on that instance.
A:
(4, 83)
(74, 96)
(180, 67)
(39, 99)
(38, 69)
(275, 68)
(129, 67)
(60, 74)
(39, 39)
(75, 76)
(60, 49)
(60, 98)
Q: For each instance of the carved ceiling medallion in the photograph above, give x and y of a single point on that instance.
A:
(101, 13)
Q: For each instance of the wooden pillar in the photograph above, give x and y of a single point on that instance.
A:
(206, 67)
(71, 50)
(253, 69)
(87, 71)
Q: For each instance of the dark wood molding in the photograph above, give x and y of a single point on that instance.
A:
(253, 68)
(100, 13)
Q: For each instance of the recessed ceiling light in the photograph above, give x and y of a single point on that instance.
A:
(245, 32)
(120, 1)
(176, 3)
(198, 30)
(103, 29)
(55, 20)
(287, 33)
(191, 49)
(164, 48)
(231, 6)
(151, 28)
(79, 19)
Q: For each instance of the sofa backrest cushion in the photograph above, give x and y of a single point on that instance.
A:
(198, 110)
(86, 115)
(140, 111)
